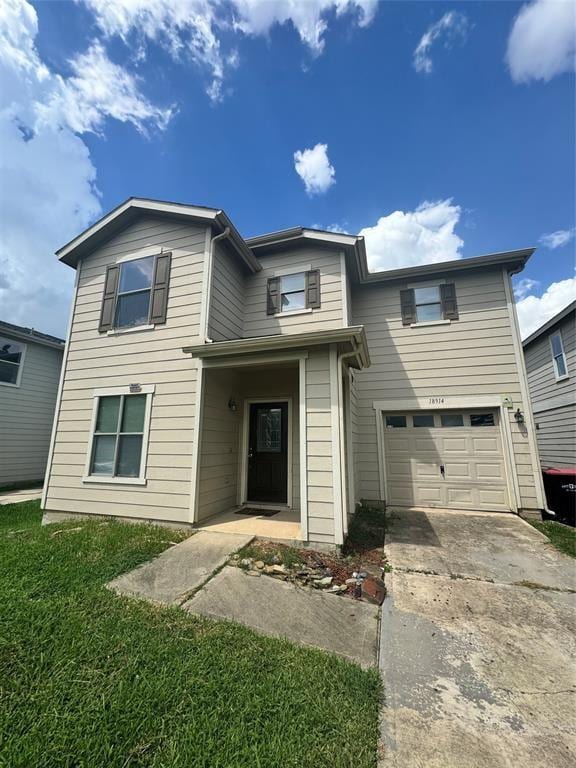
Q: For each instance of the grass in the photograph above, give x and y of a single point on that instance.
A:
(90, 679)
(563, 537)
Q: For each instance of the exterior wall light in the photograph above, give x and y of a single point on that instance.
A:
(232, 405)
(519, 416)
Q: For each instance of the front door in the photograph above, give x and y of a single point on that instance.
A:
(268, 453)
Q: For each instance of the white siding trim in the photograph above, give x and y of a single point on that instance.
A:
(303, 449)
(60, 387)
(432, 403)
(248, 401)
(285, 271)
(206, 286)
(336, 452)
(523, 378)
(149, 250)
(198, 424)
(344, 275)
(20, 364)
(231, 362)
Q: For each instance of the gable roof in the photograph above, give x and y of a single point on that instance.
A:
(30, 334)
(549, 323)
(131, 209)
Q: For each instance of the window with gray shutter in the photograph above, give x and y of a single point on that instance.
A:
(136, 293)
(292, 293)
(408, 306)
(449, 303)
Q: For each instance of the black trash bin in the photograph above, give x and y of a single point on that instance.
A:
(560, 487)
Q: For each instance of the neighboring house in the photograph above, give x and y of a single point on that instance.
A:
(204, 371)
(550, 355)
(30, 364)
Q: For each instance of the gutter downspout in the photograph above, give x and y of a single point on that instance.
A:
(221, 236)
(344, 479)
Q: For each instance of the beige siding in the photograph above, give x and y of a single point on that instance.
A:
(554, 402)
(319, 447)
(227, 296)
(219, 445)
(147, 357)
(26, 414)
(471, 356)
(330, 315)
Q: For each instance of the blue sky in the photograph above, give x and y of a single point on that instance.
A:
(438, 130)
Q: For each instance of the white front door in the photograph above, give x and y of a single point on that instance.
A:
(451, 460)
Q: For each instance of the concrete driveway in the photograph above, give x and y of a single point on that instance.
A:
(477, 645)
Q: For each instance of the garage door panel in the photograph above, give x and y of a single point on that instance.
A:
(474, 476)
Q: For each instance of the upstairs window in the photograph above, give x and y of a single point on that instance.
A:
(429, 304)
(11, 360)
(134, 289)
(558, 356)
(135, 293)
(293, 293)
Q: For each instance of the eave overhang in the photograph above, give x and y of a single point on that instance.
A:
(351, 339)
(131, 209)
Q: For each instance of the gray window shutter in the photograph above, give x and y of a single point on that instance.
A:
(408, 306)
(313, 289)
(449, 303)
(109, 298)
(159, 296)
(273, 300)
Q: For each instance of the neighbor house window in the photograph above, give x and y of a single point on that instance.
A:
(558, 356)
(293, 293)
(119, 438)
(134, 290)
(11, 361)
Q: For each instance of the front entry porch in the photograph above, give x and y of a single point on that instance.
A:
(284, 526)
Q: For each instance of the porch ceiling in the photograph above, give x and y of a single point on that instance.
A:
(350, 339)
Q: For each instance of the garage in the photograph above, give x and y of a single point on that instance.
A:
(450, 460)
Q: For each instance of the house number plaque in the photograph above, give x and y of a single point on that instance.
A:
(435, 401)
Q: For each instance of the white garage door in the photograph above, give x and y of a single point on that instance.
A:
(451, 460)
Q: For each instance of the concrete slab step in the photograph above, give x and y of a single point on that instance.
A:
(177, 572)
(277, 608)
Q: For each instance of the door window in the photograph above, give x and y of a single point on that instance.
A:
(423, 420)
(269, 430)
(394, 422)
(481, 419)
(452, 420)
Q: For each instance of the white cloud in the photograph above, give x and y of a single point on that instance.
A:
(542, 41)
(409, 238)
(313, 167)
(47, 179)
(452, 27)
(557, 239)
(195, 28)
(523, 287)
(534, 311)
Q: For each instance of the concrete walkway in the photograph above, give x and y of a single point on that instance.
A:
(14, 497)
(477, 644)
(173, 576)
(280, 609)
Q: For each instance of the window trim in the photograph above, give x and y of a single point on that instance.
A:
(20, 364)
(145, 389)
(557, 376)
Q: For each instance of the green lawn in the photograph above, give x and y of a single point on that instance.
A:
(562, 536)
(89, 679)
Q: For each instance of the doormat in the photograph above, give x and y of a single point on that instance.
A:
(258, 512)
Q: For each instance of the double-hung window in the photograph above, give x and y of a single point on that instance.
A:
(11, 361)
(558, 356)
(134, 290)
(119, 438)
(293, 292)
(298, 292)
(428, 304)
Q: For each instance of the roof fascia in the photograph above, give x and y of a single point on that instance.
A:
(30, 338)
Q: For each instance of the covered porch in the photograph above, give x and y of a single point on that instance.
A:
(270, 459)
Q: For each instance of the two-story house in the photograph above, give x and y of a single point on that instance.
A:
(550, 354)
(206, 374)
